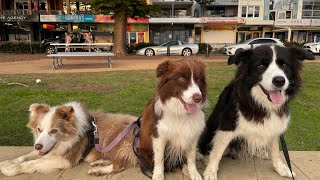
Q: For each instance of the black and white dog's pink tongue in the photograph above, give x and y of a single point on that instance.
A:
(191, 108)
(276, 97)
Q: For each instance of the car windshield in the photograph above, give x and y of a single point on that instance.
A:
(165, 44)
(246, 42)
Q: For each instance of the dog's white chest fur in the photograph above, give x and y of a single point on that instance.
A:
(179, 131)
(259, 135)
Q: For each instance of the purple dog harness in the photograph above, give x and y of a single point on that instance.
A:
(114, 142)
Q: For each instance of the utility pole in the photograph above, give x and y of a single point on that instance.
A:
(39, 22)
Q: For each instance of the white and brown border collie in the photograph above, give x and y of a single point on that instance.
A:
(173, 119)
(61, 140)
(254, 106)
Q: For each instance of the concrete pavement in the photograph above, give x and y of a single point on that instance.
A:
(306, 164)
(93, 64)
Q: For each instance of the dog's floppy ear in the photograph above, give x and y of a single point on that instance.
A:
(239, 56)
(39, 108)
(163, 68)
(301, 54)
(65, 112)
(35, 110)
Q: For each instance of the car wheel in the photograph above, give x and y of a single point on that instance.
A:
(49, 50)
(149, 52)
(186, 52)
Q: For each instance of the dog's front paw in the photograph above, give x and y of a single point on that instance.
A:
(195, 176)
(210, 175)
(10, 170)
(5, 164)
(283, 170)
(95, 172)
(158, 176)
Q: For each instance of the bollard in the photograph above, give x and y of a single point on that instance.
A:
(207, 50)
(168, 50)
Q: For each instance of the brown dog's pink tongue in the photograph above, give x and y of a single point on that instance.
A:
(276, 97)
(192, 108)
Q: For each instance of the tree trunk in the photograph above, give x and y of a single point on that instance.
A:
(119, 36)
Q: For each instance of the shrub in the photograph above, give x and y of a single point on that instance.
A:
(203, 48)
(218, 50)
(20, 48)
(296, 44)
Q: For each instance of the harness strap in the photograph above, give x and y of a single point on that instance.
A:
(114, 142)
(286, 153)
(90, 143)
(145, 167)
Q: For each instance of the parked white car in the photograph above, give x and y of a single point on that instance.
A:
(176, 48)
(251, 43)
(312, 47)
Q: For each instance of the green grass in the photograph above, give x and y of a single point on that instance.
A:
(129, 91)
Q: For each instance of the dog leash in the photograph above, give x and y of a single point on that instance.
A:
(145, 167)
(114, 142)
(286, 153)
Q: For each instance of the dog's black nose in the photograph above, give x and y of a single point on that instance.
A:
(197, 98)
(38, 146)
(278, 81)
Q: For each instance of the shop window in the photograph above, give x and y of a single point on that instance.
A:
(133, 38)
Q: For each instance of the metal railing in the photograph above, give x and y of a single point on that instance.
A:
(16, 12)
(172, 1)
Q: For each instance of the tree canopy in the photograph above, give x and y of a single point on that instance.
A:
(120, 10)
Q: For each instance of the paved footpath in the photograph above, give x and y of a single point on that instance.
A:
(42, 64)
(306, 164)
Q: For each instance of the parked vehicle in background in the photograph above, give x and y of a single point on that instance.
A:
(312, 47)
(251, 43)
(176, 48)
(75, 36)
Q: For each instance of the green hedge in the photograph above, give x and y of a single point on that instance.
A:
(20, 48)
(288, 44)
(203, 48)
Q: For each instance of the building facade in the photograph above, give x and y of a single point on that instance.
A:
(219, 23)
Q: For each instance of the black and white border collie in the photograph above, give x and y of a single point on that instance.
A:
(173, 120)
(253, 109)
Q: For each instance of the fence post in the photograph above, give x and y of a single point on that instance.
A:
(168, 50)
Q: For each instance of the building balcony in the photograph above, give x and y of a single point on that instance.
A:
(16, 12)
(60, 12)
(170, 3)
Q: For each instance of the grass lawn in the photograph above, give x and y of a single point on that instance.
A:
(129, 91)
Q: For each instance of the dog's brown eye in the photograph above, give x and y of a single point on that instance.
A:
(53, 131)
(39, 129)
(260, 66)
(182, 79)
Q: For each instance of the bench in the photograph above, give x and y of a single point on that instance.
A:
(59, 55)
(80, 45)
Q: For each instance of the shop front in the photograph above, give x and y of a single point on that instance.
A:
(17, 28)
(101, 26)
(219, 31)
(297, 30)
(160, 33)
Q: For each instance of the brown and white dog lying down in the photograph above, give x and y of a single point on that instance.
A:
(61, 140)
(173, 119)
